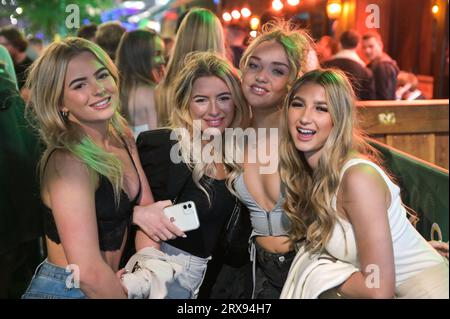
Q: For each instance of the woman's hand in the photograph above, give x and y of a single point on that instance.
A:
(154, 223)
(441, 247)
(120, 275)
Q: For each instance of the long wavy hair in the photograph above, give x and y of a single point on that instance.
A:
(135, 62)
(296, 44)
(309, 192)
(46, 83)
(200, 30)
(197, 65)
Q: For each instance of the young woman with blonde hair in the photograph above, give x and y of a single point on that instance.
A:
(90, 172)
(269, 66)
(200, 30)
(207, 97)
(340, 201)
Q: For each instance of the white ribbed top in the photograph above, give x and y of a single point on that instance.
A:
(412, 253)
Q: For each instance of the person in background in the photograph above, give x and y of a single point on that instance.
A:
(35, 47)
(16, 44)
(236, 35)
(407, 87)
(140, 61)
(7, 65)
(326, 47)
(108, 36)
(168, 46)
(384, 68)
(200, 30)
(348, 61)
(341, 202)
(20, 209)
(87, 32)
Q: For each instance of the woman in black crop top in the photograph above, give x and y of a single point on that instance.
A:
(207, 99)
(91, 176)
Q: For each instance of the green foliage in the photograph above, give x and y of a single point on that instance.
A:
(49, 16)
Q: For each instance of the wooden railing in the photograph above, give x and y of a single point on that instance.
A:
(419, 128)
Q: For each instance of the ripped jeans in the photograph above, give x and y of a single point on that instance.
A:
(188, 282)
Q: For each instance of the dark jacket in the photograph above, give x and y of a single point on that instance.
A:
(385, 71)
(20, 206)
(361, 77)
(166, 178)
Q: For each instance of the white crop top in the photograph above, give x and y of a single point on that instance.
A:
(412, 253)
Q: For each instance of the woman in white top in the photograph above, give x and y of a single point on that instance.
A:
(340, 201)
(140, 59)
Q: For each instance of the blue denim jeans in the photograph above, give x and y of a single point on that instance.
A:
(52, 282)
(188, 282)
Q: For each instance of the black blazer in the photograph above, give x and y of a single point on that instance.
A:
(229, 272)
(166, 178)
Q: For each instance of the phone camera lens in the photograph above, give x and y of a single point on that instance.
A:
(189, 205)
(184, 206)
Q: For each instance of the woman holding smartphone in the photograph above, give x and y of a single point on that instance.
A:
(90, 172)
(208, 99)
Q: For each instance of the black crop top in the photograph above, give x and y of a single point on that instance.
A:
(112, 221)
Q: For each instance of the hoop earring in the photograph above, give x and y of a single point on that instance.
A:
(65, 114)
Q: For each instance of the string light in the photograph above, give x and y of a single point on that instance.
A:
(246, 12)
(277, 5)
(235, 14)
(293, 3)
(254, 23)
(226, 16)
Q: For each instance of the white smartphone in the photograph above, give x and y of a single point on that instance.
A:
(183, 215)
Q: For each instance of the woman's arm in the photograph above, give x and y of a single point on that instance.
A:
(364, 197)
(71, 195)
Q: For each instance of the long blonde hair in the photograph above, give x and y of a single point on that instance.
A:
(197, 65)
(46, 83)
(309, 193)
(296, 44)
(200, 30)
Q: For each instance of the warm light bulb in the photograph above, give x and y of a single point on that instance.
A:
(254, 23)
(334, 9)
(435, 9)
(277, 5)
(226, 16)
(235, 14)
(293, 2)
(246, 12)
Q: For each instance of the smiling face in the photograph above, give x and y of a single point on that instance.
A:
(309, 121)
(211, 102)
(266, 75)
(90, 92)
